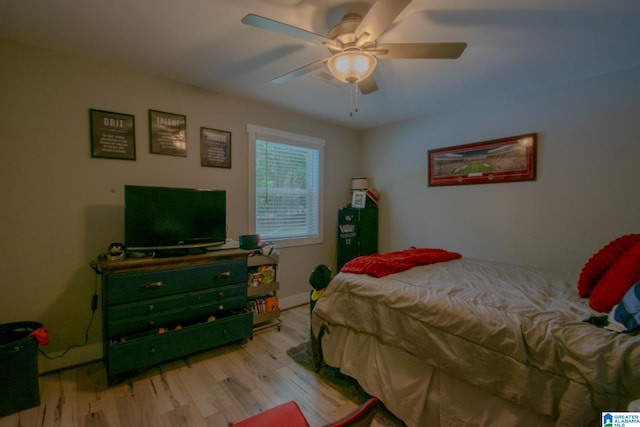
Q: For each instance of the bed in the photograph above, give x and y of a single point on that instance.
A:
(467, 342)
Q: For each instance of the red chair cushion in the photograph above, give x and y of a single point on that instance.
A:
(285, 415)
(602, 261)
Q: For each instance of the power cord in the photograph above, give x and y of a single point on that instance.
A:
(94, 306)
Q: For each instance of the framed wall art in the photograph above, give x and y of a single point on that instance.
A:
(112, 135)
(498, 160)
(167, 133)
(358, 199)
(215, 148)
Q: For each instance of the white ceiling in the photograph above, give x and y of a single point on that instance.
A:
(513, 46)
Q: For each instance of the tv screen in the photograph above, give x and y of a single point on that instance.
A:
(157, 218)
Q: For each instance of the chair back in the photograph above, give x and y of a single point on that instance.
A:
(359, 417)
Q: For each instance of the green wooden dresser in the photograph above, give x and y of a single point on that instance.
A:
(157, 309)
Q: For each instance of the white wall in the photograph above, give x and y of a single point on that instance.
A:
(586, 194)
(61, 208)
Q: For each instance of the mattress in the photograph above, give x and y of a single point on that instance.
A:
(515, 333)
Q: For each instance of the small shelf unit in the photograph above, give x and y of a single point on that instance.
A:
(262, 290)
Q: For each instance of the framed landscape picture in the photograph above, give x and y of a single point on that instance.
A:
(498, 160)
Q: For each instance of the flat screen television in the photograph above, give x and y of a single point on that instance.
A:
(166, 218)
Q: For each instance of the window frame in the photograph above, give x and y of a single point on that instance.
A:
(297, 140)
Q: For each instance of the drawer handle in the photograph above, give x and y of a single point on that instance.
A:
(223, 275)
(150, 285)
(221, 307)
(221, 294)
(152, 350)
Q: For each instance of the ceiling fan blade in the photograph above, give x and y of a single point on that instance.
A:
(420, 50)
(327, 77)
(286, 29)
(300, 71)
(379, 17)
(368, 85)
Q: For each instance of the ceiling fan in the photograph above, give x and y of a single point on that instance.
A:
(353, 44)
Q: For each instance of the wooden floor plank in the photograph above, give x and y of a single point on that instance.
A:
(173, 394)
(96, 419)
(58, 406)
(135, 405)
(203, 390)
(96, 405)
(183, 416)
(260, 396)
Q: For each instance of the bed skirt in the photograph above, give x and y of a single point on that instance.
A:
(416, 392)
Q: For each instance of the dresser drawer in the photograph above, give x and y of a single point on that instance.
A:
(148, 350)
(132, 325)
(136, 286)
(125, 319)
(223, 298)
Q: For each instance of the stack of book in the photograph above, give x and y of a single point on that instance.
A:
(267, 304)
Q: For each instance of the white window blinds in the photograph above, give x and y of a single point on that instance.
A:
(286, 186)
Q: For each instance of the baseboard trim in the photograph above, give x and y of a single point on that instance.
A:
(75, 357)
(293, 301)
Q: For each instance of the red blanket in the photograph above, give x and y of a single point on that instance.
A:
(379, 265)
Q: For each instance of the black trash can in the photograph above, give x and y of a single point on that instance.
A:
(18, 367)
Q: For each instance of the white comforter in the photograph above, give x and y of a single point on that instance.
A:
(514, 332)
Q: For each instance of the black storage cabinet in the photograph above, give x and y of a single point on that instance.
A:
(18, 367)
(357, 233)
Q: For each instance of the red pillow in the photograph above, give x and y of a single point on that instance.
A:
(616, 281)
(604, 259)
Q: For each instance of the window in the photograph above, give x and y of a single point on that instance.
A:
(285, 186)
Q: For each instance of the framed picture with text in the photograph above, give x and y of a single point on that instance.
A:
(167, 133)
(112, 135)
(215, 148)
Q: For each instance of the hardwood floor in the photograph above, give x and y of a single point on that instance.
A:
(210, 389)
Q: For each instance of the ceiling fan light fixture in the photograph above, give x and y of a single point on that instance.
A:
(352, 66)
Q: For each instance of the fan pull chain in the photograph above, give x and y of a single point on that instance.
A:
(353, 93)
(350, 99)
